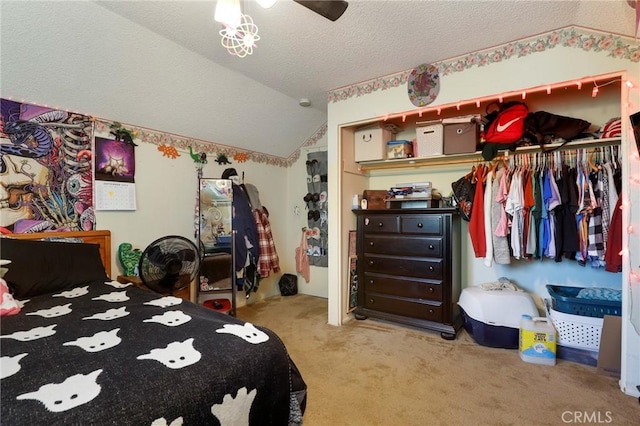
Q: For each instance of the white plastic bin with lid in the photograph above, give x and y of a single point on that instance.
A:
(492, 317)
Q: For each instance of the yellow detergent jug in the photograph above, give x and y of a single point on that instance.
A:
(538, 340)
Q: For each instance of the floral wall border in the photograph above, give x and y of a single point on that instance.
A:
(212, 149)
(617, 46)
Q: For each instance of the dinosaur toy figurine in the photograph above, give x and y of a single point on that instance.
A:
(222, 159)
(122, 134)
(198, 157)
(129, 258)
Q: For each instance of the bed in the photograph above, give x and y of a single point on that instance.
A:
(85, 349)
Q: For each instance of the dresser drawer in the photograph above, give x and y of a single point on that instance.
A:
(405, 266)
(380, 224)
(427, 311)
(405, 287)
(407, 246)
(421, 224)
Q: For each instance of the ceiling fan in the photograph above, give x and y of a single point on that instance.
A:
(330, 9)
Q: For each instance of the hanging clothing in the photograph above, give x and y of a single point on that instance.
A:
(244, 225)
(612, 257)
(488, 258)
(268, 255)
(515, 203)
(476, 224)
(302, 260)
(499, 220)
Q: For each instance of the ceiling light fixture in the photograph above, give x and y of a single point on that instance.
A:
(228, 12)
(241, 40)
(240, 34)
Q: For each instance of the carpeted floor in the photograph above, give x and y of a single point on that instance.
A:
(376, 373)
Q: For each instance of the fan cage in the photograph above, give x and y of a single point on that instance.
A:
(153, 263)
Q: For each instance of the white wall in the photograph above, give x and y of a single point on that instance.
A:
(541, 68)
(166, 192)
(82, 57)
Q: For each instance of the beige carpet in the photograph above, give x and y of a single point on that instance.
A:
(376, 373)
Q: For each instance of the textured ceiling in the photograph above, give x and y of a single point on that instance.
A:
(303, 55)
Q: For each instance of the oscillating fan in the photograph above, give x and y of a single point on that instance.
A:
(169, 264)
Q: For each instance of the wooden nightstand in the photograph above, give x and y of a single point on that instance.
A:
(185, 293)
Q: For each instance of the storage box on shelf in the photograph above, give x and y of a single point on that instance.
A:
(431, 147)
(399, 149)
(429, 139)
(371, 143)
(461, 138)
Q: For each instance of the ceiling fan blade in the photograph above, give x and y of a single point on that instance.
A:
(330, 9)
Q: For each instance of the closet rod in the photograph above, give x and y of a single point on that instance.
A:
(476, 157)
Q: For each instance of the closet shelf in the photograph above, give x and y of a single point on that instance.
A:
(473, 157)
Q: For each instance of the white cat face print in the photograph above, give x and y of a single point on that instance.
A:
(170, 318)
(116, 284)
(33, 334)
(98, 342)
(74, 391)
(56, 311)
(246, 332)
(176, 355)
(109, 315)
(165, 302)
(10, 365)
(73, 293)
(115, 296)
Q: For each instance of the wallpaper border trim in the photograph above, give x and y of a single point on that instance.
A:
(616, 46)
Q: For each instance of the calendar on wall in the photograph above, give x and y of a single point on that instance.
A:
(115, 195)
(115, 165)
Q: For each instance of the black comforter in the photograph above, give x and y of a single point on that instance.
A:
(111, 353)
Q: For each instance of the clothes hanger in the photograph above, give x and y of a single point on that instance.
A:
(591, 163)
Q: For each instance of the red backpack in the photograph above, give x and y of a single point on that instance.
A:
(506, 125)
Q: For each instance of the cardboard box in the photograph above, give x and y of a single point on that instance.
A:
(610, 341)
(429, 140)
(461, 138)
(371, 143)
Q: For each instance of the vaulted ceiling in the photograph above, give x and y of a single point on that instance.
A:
(303, 55)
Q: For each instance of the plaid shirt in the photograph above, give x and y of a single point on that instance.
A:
(268, 254)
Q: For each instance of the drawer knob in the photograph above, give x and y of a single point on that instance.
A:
(371, 243)
(371, 300)
(431, 268)
(371, 263)
(430, 311)
(431, 247)
(380, 224)
(431, 290)
(420, 225)
(371, 282)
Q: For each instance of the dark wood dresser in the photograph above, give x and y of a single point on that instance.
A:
(409, 267)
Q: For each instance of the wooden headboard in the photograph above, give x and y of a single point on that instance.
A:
(102, 238)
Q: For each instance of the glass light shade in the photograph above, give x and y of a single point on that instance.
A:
(228, 13)
(241, 40)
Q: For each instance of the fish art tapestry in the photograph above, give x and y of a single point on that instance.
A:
(45, 169)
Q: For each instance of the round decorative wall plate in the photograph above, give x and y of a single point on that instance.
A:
(423, 84)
